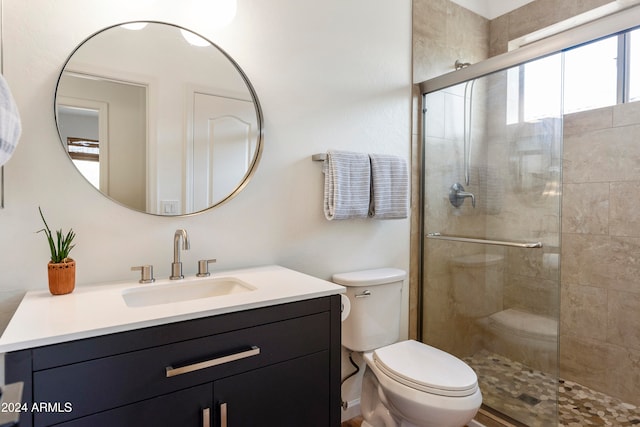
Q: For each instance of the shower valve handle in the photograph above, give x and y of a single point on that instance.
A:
(457, 195)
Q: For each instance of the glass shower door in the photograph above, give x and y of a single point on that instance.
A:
(492, 150)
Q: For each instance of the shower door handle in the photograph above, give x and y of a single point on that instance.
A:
(526, 245)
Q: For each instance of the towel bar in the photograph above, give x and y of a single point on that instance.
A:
(484, 241)
(320, 157)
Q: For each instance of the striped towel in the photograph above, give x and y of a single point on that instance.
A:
(10, 127)
(390, 187)
(347, 181)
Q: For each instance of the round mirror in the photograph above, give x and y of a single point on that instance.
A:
(158, 119)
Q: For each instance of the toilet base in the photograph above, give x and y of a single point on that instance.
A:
(387, 403)
(375, 406)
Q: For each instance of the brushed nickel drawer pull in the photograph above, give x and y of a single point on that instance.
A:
(223, 415)
(172, 372)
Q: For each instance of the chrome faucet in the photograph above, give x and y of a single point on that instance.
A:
(176, 265)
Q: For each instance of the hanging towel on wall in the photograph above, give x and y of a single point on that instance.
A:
(347, 183)
(10, 127)
(389, 187)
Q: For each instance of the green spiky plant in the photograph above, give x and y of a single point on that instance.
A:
(61, 246)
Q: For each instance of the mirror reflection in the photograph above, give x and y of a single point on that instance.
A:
(158, 118)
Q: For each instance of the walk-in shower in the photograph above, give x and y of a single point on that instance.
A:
(492, 280)
(494, 271)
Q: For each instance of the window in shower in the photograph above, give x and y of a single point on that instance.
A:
(634, 65)
(542, 86)
(534, 90)
(591, 76)
(597, 74)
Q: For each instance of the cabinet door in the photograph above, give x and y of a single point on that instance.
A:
(186, 408)
(289, 394)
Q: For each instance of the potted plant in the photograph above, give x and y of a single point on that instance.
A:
(62, 269)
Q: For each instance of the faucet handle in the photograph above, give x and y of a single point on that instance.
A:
(203, 267)
(146, 273)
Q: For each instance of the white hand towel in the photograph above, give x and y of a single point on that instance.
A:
(389, 187)
(347, 183)
(10, 127)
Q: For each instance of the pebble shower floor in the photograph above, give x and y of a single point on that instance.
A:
(528, 396)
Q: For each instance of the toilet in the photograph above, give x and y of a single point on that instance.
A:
(406, 383)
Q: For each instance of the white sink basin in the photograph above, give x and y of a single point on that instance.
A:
(184, 290)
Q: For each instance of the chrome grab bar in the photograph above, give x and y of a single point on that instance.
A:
(172, 372)
(527, 245)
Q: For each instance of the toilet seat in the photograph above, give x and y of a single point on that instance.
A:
(426, 368)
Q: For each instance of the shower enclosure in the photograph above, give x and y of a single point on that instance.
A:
(492, 218)
(492, 174)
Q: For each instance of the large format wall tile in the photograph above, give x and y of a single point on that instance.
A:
(626, 114)
(586, 360)
(585, 208)
(611, 262)
(623, 321)
(584, 312)
(609, 368)
(604, 155)
(624, 215)
(588, 121)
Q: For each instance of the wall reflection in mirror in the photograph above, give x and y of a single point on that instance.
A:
(158, 118)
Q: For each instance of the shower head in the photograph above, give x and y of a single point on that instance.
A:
(459, 65)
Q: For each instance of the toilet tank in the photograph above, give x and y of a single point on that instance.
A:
(375, 297)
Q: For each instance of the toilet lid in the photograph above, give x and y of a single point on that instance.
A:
(426, 368)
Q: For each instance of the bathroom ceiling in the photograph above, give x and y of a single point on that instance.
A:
(491, 9)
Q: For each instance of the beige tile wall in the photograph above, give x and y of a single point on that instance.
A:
(534, 16)
(600, 299)
(442, 33)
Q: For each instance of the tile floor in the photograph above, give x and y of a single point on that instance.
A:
(528, 396)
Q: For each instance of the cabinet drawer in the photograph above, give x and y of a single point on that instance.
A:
(109, 382)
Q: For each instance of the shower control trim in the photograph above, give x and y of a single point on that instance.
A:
(457, 195)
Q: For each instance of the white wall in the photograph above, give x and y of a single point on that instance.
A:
(329, 74)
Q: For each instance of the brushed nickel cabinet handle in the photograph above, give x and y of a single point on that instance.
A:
(172, 372)
(223, 415)
(206, 417)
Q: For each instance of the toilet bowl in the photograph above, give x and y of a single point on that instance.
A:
(406, 383)
(412, 384)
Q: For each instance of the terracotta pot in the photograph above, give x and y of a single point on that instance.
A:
(62, 277)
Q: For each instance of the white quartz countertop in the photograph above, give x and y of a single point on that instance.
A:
(89, 311)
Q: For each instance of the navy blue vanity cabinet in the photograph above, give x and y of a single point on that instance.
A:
(273, 366)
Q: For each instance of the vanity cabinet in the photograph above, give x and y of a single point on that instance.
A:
(271, 366)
